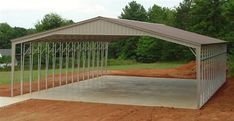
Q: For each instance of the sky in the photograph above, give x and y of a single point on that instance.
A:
(26, 13)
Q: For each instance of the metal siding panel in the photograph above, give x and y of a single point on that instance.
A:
(213, 69)
(101, 27)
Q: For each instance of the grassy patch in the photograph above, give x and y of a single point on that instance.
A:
(145, 66)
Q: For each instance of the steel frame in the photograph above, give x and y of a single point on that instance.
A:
(211, 64)
(91, 52)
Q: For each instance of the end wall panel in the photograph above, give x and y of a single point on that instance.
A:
(213, 70)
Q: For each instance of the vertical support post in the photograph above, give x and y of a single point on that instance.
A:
(102, 57)
(106, 56)
(93, 58)
(73, 60)
(78, 61)
(39, 66)
(88, 51)
(66, 62)
(83, 56)
(13, 45)
(22, 68)
(47, 64)
(31, 67)
(198, 76)
(54, 61)
(60, 63)
(98, 49)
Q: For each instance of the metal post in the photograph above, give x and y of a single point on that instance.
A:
(88, 51)
(60, 63)
(67, 57)
(22, 68)
(39, 65)
(54, 61)
(12, 68)
(102, 57)
(31, 67)
(73, 61)
(83, 56)
(106, 57)
(47, 64)
(97, 68)
(93, 58)
(78, 61)
(198, 76)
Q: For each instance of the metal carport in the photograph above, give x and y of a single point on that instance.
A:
(90, 39)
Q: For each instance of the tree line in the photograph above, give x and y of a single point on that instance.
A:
(213, 18)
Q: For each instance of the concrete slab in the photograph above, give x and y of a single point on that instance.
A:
(5, 101)
(145, 91)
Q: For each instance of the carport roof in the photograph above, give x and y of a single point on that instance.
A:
(160, 30)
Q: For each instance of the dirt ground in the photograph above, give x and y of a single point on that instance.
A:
(184, 71)
(219, 108)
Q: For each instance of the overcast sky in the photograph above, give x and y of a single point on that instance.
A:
(25, 13)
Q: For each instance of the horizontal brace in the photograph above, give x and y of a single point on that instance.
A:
(202, 59)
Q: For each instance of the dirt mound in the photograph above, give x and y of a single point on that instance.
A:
(187, 71)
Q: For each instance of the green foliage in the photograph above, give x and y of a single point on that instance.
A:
(229, 32)
(182, 16)
(144, 49)
(7, 33)
(161, 15)
(126, 49)
(51, 21)
(134, 11)
(148, 50)
(5, 59)
(206, 17)
(209, 17)
(231, 66)
(231, 63)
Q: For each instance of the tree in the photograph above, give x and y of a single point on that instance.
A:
(126, 49)
(134, 11)
(7, 33)
(148, 50)
(229, 29)
(161, 15)
(229, 33)
(51, 21)
(182, 16)
(206, 17)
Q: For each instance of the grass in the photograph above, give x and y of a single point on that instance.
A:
(145, 66)
(116, 65)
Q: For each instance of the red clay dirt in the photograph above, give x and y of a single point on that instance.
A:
(185, 71)
(219, 108)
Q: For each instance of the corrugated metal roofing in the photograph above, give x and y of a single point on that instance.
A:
(151, 28)
(167, 31)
